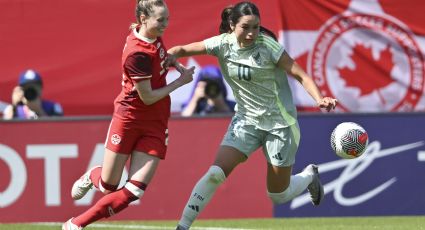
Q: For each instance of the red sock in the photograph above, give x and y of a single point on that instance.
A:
(107, 206)
(95, 176)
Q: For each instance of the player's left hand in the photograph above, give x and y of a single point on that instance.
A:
(171, 60)
(328, 103)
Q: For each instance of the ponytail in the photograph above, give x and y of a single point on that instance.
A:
(225, 20)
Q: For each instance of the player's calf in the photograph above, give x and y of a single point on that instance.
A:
(119, 200)
(112, 203)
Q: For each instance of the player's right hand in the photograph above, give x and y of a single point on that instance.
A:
(187, 75)
(328, 103)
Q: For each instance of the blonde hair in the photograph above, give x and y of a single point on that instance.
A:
(145, 7)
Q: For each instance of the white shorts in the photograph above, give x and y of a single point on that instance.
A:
(279, 145)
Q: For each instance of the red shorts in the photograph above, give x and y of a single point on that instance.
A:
(150, 137)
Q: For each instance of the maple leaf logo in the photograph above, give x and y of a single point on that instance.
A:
(369, 74)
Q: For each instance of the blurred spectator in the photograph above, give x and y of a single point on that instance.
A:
(27, 102)
(209, 94)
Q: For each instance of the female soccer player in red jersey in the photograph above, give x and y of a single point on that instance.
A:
(138, 130)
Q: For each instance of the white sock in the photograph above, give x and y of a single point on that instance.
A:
(298, 184)
(201, 195)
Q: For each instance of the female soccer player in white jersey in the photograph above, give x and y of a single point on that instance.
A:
(138, 130)
(255, 66)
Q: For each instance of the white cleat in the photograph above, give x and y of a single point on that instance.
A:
(82, 185)
(70, 226)
(315, 188)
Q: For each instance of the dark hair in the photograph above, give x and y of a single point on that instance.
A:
(231, 14)
(145, 7)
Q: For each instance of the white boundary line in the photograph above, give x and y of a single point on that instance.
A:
(421, 156)
(120, 226)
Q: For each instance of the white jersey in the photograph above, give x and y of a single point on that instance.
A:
(260, 88)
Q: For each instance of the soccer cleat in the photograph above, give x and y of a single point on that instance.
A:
(315, 188)
(82, 185)
(179, 227)
(70, 226)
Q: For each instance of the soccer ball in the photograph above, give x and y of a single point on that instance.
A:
(349, 140)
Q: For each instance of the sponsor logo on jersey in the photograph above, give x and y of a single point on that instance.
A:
(161, 53)
(257, 59)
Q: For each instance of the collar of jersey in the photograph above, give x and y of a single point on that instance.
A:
(148, 40)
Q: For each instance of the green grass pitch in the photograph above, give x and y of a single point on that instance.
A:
(343, 223)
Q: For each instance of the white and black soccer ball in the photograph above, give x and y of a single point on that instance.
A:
(349, 140)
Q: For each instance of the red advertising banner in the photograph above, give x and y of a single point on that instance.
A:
(40, 160)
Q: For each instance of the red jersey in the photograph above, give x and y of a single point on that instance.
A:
(142, 60)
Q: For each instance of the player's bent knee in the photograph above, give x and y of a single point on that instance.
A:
(136, 188)
(107, 188)
(277, 198)
(216, 175)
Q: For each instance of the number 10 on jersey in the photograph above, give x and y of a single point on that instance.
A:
(244, 72)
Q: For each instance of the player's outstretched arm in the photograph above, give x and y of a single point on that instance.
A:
(196, 48)
(291, 67)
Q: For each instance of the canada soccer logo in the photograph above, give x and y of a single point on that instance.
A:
(115, 139)
(369, 63)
